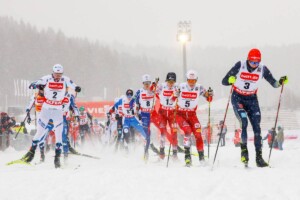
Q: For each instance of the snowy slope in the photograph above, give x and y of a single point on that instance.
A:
(121, 177)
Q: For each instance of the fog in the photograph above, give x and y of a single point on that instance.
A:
(227, 23)
(108, 45)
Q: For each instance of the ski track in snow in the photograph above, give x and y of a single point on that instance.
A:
(116, 176)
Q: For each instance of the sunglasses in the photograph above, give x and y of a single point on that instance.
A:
(192, 81)
(254, 63)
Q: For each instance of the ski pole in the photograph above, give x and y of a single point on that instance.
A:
(223, 125)
(27, 114)
(273, 132)
(174, 122)
(208, 130)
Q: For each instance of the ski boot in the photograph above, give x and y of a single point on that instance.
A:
(154, 149)
(57, 158)
(42, 159)
(66, 157)
(28, 157)
(259, 160)
(146, 156)
(174, 156)
(162, 152)
(72, 150)
(244, 154)
(201, 156)
(187, 157)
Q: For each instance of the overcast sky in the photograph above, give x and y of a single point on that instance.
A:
(154, 22)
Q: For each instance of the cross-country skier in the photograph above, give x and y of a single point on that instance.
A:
(129, 119)
(51, 116)
(119, 118)
(37, 101)
(68, 107)
(144, 99)
(166, 113)
(188, 95)
(85, 119)
(244, 77)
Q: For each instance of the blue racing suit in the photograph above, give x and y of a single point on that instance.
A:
(70, 106)
(129, 119)
(244, 102)
(145, 100)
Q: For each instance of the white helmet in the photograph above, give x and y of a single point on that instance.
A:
(191, 74)
(58, 68)
(146, 78)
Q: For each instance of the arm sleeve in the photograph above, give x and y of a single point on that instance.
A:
(70, 83)
(135, 99)
(89, 116)
(232, 72)
(269, 77)
(73, 106)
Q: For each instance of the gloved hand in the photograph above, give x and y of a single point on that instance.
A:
(210, 94)
(156, 80)
(140, 117)
(283, 80)
(32, 85)
(177, 93)
(77, 118)
(27, 110)
(41, 87)
(108, 115)
(77, 89)
(117, 116)
(23, 124)
(231, 80)
(28, 119)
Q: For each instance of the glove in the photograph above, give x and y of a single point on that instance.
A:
(156, 80)
(28, 120)
(117, 116)
(41, 87)
(283, 80)
(140, 117)
(77, 118)
(108, 115)
(231, 80)
(210, 94)
(32, 86)
(23, 124)
(27, 110)
(77, 89)
(177, 93)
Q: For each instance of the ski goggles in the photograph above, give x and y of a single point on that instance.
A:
(192, 81)
(256, 63)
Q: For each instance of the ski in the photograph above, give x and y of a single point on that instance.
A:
(86, 155)
(19, 161)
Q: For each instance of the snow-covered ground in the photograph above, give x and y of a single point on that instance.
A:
(116, 176)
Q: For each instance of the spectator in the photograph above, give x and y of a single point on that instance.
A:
(6, 123)
(280, 137)
(224, 131)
